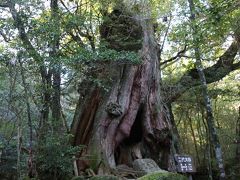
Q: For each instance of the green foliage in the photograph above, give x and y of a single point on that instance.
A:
(97, 178)
(8, 160)
(190, 117)
(104, 178)
(163, 176)
(81, 56)
(78, 178)
(55, 157)
(103, 55)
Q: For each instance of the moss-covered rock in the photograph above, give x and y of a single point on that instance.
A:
(104, 178)
(160, 175)
(78, 178)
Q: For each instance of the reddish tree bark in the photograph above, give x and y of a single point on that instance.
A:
(115, 125)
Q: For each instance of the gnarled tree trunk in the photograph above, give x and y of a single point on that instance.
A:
(116, 125)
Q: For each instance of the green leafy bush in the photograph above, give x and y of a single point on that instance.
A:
(8, 161)
(55, 158)
(163, 176)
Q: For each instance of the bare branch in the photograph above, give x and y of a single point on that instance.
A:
(6, 39)
(178, 55)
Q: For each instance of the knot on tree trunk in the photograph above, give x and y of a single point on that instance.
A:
(114, 109)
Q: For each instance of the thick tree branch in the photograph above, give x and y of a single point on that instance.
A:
(223, 67)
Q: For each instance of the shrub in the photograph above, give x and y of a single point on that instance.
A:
(55, 158)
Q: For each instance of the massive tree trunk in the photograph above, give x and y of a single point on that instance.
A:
(115, 125)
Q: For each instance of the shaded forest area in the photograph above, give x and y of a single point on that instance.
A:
(118, 89)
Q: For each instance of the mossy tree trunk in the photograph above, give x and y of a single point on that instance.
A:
(129, 121)
(115, 125)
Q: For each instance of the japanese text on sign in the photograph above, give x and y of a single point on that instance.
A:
(185, 163)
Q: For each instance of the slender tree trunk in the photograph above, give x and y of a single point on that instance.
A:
(175, 135)
(238, 143)
(56, 67)
(207, 101)
(31, 170)
(185, 138)
(199, 128)
(194, 137)
(46, 99)
(19, 146)
(207, 151)
(13, 74)
(209, 159)
(175, 142)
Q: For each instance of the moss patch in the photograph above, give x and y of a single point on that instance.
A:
(96, 178)
(120, 31)
(78, 178)
(163, 176)
(104, 178)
